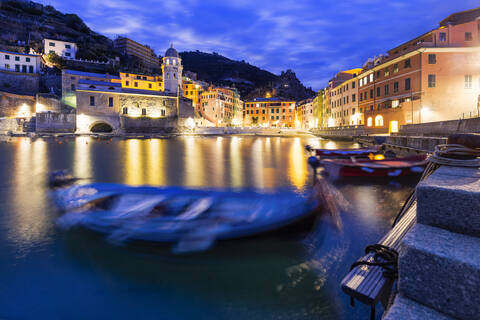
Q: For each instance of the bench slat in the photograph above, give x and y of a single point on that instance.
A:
(367, 283)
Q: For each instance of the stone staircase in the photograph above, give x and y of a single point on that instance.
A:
(439, 262)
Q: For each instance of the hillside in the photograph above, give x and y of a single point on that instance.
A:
(24, 24)
(29, 22)
(251, 81)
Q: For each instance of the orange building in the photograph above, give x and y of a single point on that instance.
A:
(220, 105)
(433, 77)
(269, 112)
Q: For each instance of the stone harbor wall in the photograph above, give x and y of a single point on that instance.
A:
(19, 83)
(53, 103)
(53, 122)
(150, 106)
(442, 128)
(16, 105)
(11, 125)
(148, 125)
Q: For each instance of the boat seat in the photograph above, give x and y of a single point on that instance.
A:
(369, 284)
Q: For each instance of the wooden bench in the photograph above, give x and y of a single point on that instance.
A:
(368, 284)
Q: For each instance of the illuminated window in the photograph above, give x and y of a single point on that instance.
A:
(393, 126)
(369, 122)
(379, 121)
(386, 72)
(395, 103)
(371, 77)
(395, 68)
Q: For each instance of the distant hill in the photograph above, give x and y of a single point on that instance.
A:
(24, 24)
(250, 80)
(27, 22)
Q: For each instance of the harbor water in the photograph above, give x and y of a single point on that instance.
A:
(49, 273)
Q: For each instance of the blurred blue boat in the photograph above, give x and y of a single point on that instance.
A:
(191, 219)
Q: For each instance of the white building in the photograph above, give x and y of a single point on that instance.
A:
(67, 50)
(172, 71)
(20, 62)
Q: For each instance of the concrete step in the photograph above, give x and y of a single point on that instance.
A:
(441, 269)
(404, 308)
(450, 199)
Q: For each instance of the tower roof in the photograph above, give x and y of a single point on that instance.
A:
(171, 52)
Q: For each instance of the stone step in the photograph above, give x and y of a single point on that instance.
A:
(441, 269)
(404, 308)
(450, 199)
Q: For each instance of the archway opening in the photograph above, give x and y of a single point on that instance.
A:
(101, 127)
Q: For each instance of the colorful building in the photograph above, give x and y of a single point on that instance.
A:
(221, 106)
(269, 112)
(20, 62)
(433, 77)
(142, 82)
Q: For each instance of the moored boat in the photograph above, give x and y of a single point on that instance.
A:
(191, 219)
(387, 168)
(344, 153)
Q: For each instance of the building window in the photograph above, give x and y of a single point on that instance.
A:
(468, 81)
(7, 66)
(353, 85)
(51, 51)
(387, 72)
(369, 122)
(395, 68)
(144, 112)
(51, 44)
(110, 102)
(67, 54)
(27, 59)
(7, 57)
(144, 78)
(431, 81)
(395, 103)
(17, 58)
(432, 58)
(468, 36)
(67, 46)
(407, 84)
(30, 69)
(127, 83)
(387, 89)
(163, 112)
(395, 87)
(371, 77)
(149, 86)
(72, 87)
(353, 97)
(407, 64)
(442, 36)
(135, 84)
(379, 121)
(125, 110)
(378, 91)
(371, 93)
(92, 101)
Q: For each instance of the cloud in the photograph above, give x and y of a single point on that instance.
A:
(316, 38)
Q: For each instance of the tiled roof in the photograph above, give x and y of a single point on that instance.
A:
(461, 17)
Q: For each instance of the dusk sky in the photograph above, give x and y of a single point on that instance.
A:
(314, 38)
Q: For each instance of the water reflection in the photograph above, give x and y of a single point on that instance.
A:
(298, 167)
(27, 227)
(155, 156)
(133, 169)
(236, 170)
(193, 155)
(82, 163)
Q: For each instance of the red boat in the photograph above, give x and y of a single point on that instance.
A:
(388, 168)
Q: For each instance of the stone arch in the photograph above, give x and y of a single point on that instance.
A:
(100, 127)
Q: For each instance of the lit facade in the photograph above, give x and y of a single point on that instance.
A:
(20, 62)
(269, 112)
(221, 106)
(142, 82)
(64, 49)
(434, 77)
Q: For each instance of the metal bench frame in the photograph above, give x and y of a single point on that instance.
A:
(368, 284)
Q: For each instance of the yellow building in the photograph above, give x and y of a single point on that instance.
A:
(193, 91)
(141, 82)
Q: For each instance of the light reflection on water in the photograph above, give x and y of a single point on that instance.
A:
(265, 279)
